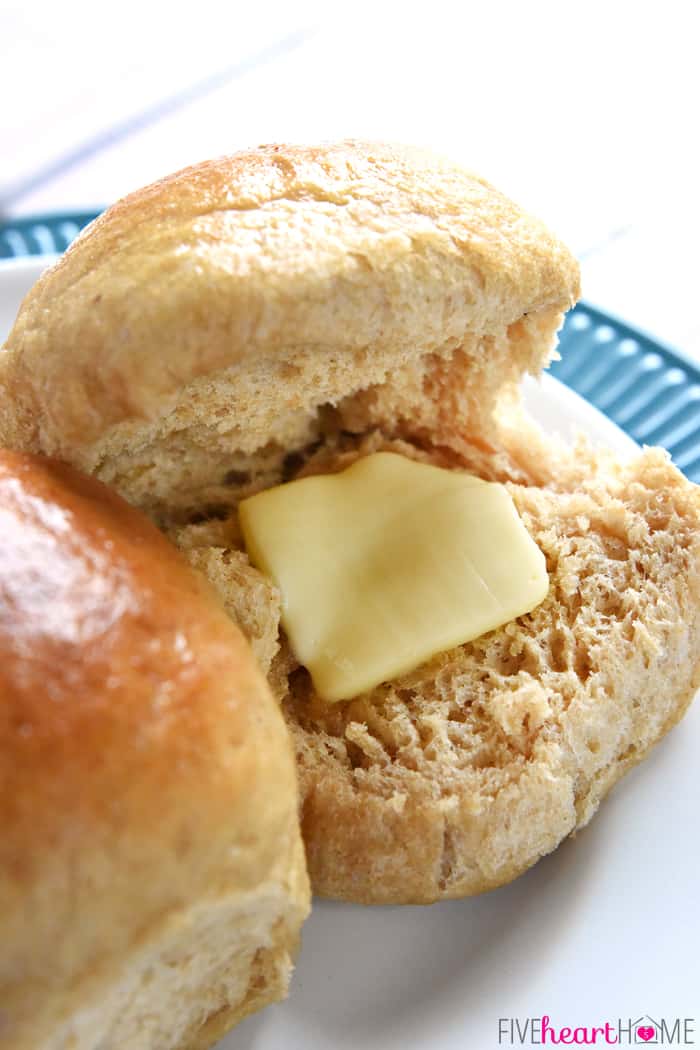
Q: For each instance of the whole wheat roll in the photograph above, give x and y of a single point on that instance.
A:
(214, 311)
(152, 877)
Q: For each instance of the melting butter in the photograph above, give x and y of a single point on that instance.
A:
(389, 562)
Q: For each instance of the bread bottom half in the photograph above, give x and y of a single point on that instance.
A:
(190, 979)
(458, 776)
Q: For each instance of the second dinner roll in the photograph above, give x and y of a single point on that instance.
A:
(152, 877)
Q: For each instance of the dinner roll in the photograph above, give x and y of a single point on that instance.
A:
(152, 878)
(202, 327)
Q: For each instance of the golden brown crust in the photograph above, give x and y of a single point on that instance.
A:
(272, 255)
(144, 766)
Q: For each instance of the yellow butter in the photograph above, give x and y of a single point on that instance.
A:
(389, 562)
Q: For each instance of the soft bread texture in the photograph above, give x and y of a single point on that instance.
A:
(455, 778)
(152, 878)
(214, 312)
(285, 310)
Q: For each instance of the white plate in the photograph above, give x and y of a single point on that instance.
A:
(605, 928)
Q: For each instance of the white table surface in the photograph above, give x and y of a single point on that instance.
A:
(587, 114)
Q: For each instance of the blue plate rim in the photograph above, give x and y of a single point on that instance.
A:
(603, 316)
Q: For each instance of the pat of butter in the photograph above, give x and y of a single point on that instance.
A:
(388, 563)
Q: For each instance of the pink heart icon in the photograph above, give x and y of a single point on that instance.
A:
(646, 1032)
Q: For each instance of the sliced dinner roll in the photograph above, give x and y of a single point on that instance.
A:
(152, 878)
(457, 776)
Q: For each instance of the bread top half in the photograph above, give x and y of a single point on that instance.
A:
(144, 766)
(302, 274)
